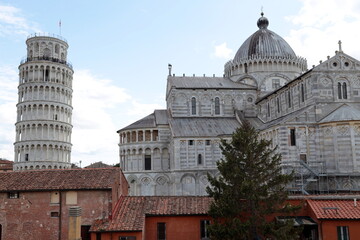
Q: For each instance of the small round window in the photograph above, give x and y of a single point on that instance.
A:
(335, 64)
(250, 99)
(346, 64)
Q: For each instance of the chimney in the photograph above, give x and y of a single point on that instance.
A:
(170, 67)
(75, 223)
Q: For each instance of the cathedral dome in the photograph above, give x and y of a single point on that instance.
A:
(264, 44)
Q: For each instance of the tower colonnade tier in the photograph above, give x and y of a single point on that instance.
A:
(44, 109)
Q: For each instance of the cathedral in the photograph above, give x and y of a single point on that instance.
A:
(311, 115)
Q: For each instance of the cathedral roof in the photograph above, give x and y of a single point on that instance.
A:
(205, 82)
(343, 113)
(265, 44)
(158, 117)
(203, 126)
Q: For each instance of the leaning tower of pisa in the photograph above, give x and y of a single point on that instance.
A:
(44, 109)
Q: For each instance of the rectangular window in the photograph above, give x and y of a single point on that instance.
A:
(161, 231)
(126, 238)
(292, 137)
(191, 142)
(278, 105)
(13, 195)
(54, 214)
(343, 232)
(207, 142)
(147, 162)
(204, 229)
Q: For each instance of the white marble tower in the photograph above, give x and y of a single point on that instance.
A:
(44, 109)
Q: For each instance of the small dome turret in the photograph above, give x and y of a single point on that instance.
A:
(264, 43)
(263, 22)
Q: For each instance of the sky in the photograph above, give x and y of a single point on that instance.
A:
(120, 51)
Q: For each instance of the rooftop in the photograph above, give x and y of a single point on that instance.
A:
(335, 209)
(158, 117)
(184, 82)
(203, 126)
(130, 212)
(59, 179)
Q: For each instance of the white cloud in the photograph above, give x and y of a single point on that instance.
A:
(100, 109)
(12, 22)
(222, 51)
(320, 24)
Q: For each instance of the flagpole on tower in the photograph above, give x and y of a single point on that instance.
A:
(60, 27)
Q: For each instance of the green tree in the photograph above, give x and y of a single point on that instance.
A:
(250, 188)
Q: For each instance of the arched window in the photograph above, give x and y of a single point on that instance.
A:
(344, 91)
(199, 159)
(339, 91)
(193, 106)
(47, 53)
(217, 106)
(57, 48)
(289, 98)
(302, 93)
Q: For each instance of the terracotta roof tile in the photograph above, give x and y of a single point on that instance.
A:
(6, 165)
(130, 212)
(40, 180)
(335, 209)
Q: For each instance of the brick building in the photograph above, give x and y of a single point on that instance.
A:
(155, 217)
(336, 218)
(35, 204)
(322, 217)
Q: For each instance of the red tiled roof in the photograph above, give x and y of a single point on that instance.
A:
(6, 165)
(130, 212)
(59, 179)
(335, 209)
(3, 161)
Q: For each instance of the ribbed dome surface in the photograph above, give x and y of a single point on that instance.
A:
(264, 43)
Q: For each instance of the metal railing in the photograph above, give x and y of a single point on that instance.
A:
(45, 58)
(47, 35)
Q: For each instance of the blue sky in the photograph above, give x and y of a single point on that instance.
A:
(120, 51)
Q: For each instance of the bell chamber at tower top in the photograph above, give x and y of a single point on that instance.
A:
(48, 47)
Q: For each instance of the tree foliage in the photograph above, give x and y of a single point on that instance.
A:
(250, 188)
